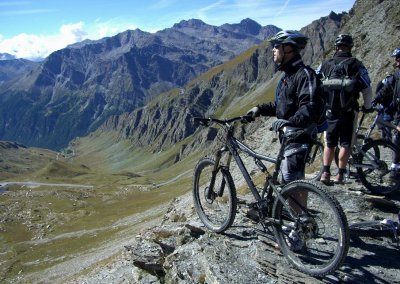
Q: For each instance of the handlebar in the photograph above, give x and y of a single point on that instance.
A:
(379, 119)
(207, 121)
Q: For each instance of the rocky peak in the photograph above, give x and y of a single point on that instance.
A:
(192, 23)
(247, 25)
(6, 56)
(13, 68)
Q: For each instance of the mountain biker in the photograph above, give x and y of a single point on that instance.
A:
(342, 105)
(299, 103)
(386, 106)
(390, 92)
(298, 99)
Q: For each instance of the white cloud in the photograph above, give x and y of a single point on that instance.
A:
(72, 33)
(109, 28)
(39, 46)
(34, 47)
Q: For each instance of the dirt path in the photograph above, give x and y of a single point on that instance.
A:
(33, 184)
(89, 265)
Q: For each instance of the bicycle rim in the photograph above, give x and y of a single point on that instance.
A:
(321, 227)
(314, 162)
(217, 209)
(374, 170)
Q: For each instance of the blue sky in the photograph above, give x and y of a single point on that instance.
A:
(35, 28)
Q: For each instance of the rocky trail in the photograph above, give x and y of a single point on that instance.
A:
(180, 250)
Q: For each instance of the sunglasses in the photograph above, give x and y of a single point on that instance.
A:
(276, 45)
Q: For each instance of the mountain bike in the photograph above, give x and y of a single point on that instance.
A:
(317, 221)
(372, 158)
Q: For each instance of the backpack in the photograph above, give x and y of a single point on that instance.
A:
(318, 98)
(322, 123)
(339, 86)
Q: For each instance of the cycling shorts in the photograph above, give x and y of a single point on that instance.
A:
(293, 164)
(341, 129)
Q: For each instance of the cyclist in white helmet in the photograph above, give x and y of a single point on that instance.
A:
(390, 92)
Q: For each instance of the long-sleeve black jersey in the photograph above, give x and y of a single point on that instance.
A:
(298, 95)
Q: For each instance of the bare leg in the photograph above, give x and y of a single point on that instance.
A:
(344, 155)
(329, 153)
(301, 198)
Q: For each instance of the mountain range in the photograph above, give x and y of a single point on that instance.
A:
(146, 86)
(76, 89)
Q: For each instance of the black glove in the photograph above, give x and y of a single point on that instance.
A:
(279, 123)
(365, 110)
(254, 112)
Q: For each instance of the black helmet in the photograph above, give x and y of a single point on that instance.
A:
(344, 39)
(290, 37)
(396, 53)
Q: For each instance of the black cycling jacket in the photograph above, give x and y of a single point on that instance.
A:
(298, 95)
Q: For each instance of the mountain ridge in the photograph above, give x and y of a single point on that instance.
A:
(75, 89)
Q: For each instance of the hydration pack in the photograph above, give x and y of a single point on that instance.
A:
(340, 88)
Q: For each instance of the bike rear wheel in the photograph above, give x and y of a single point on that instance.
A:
(373, 165)
(216, 206)
(320, 226)
(314, 161)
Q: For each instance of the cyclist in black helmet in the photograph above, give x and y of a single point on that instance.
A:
(299, 103)
(342, 105)
(298, 99)
(390, 92)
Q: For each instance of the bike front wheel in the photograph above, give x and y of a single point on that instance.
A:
(314, 161)
(373, 165)
(214, 195)
(311, 228)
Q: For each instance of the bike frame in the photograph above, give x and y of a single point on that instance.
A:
(377, 121)
(358, 147)
(231, 146)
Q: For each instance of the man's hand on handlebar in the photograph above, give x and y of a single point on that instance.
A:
(279, 124)
(253, 112)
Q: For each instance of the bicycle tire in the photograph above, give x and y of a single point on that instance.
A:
(322, 227)
(378, 180)
(371, 229)
(216, 213)
(314, 161)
